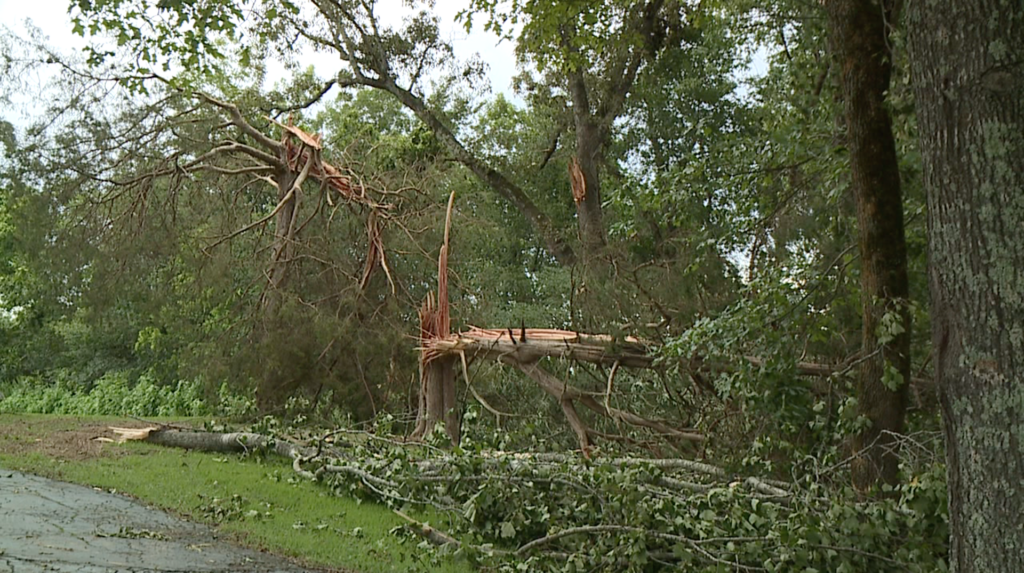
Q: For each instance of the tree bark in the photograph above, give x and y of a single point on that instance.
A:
(438, 400)
(860, 41)
(587, 189)
(593, 120)
(968, 62)
(282, 248)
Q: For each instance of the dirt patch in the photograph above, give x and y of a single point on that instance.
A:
(70, 439)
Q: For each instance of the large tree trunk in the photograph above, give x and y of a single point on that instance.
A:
(860, 39)
(586, 179)
(282, 248)
(968, 65)
(438, 400)
(270, 390)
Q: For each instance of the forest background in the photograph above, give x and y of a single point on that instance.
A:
(172, 233)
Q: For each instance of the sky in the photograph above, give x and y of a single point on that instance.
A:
(51, 16)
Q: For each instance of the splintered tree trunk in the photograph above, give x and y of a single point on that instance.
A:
(968, 70)
(860, 39)
(437, 378)
(437, 401)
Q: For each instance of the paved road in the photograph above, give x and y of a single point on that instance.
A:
(47, 525)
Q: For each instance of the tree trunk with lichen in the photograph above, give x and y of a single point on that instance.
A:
(859, 32)
(968, 71)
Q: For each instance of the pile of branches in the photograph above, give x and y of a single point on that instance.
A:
(559, 512)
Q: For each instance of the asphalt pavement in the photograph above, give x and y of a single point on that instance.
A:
(47, 525)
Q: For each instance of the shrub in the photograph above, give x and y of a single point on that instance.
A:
(115, 394)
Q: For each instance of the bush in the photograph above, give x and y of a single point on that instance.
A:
(115, 394)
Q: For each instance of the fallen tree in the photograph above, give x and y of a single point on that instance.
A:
(335, 460)
(441, 352)
(543, 510)
(523, 348)
(526, 345)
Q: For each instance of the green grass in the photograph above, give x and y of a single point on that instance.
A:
(259, 502)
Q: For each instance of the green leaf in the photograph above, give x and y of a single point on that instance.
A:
(507, 530)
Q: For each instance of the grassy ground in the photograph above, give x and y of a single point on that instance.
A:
(257, 502)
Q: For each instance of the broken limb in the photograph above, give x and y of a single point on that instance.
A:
(232, 442)
(497, 413)
(677, 476)
(435, 536)
(562, 391)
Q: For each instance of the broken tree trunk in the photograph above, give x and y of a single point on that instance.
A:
(272, 389)
(291, 162)
(524, 347)
(232, 442)
(677, 475)
(437, 373)
(532, 344)
(437, 383)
